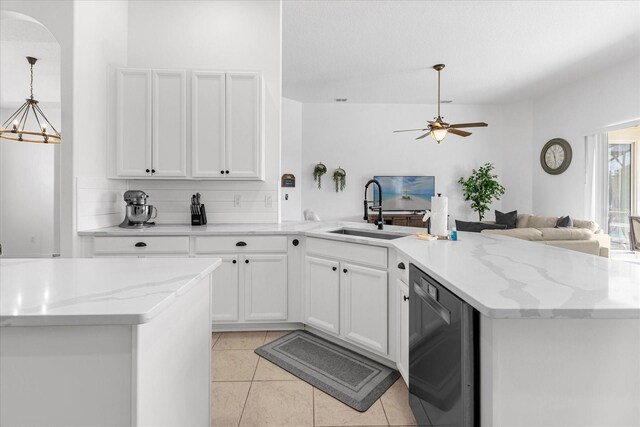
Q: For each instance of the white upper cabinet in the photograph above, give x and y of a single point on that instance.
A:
(244, 142)
(208, 124)
(169, 149)
(151, 123)
(133, 136)
(227, 130)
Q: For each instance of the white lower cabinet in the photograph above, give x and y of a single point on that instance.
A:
(403, 331)
(265, 287)
(322, 290)
(349, 301)
(224, 290)
(365, 306)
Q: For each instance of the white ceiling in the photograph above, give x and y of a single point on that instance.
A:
(494, 51)
(19, 39)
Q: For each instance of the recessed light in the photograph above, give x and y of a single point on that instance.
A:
(341, 99)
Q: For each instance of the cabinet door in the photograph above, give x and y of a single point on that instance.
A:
(224, 290)
(403, 330)
(322, 294)
(244, 142)
(169, 124)
(265, 287)
(208, 124)
(133, 137)
(365, 306)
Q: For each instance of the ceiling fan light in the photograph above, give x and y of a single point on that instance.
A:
(439, 134)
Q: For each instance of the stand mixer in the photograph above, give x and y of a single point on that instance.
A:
(138, 212)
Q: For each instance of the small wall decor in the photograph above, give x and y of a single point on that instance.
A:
(340, 178)
(288, 180)
(319, 170)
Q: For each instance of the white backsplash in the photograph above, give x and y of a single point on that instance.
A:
(99, 202)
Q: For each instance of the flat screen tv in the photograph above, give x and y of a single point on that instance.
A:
(406, 193)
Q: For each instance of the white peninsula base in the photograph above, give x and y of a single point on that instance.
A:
(560, 372)
(150, 374)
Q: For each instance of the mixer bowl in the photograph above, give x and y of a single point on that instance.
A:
(139, 214)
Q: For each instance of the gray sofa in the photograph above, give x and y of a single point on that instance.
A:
(585, 236)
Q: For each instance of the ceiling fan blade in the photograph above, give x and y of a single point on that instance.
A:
(422, 136)
(409, 130)
(469, 125)
(459, 132)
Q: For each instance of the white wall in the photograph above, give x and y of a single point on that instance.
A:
(591, 103)
(360, 139)
(214, 35)
(292, 158)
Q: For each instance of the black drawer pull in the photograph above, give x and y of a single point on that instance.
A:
(401, 266)
(334, 268)
(153, 171)
(222, 172)
(406, 298)
(345, 270)
(141, 245)
(241, 244)
(147, 170)
(246, 261)
(234, 261)
(227, 172)
(296, 242)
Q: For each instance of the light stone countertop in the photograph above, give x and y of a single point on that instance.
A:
(94, 291)
(500, 276)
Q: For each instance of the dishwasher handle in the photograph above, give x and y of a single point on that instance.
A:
(433, 304)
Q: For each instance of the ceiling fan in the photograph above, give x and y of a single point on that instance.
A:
(437, 128)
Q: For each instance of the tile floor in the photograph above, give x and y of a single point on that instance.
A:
(249, 391)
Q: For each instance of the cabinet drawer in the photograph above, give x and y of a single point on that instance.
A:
(240, 244)
(141, 245)
(375, 256)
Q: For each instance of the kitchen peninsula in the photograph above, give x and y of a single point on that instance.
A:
(105, 342)
(559, 330)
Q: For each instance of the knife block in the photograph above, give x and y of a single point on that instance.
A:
(199, 218)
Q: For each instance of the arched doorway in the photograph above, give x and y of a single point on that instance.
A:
(29, 173)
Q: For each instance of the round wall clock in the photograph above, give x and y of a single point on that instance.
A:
(555, 156)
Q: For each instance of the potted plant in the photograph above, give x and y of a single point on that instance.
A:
(481, 188)
(340, 179)
(318, 171)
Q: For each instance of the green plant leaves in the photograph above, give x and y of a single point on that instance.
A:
(481, 188)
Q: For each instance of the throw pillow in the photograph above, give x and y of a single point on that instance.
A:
(508, 219)
(476, 227)
(564, 222)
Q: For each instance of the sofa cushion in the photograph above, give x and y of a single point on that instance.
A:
(585, 246)
(509, 219)
(566, 234)
(564, 222)
(477, 227)
(589, 225)
(519, 233)
(538, 221)
(522, 221)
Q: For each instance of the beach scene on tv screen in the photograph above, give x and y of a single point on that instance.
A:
(407, 193)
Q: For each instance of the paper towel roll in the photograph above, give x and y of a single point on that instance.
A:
(439, 214)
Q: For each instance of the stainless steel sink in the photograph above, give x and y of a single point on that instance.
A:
(365, 233)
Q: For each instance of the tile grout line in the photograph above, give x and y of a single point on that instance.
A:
(384, 411)
(249, 392)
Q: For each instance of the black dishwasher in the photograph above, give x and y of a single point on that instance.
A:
(443, 355)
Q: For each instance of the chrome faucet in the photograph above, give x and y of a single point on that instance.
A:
(380, 220)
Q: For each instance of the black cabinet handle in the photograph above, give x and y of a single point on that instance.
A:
(401, 266)
(222, 172)
(246, 261)
(406, 298)
(153, 171)
(295, 242)
(227, 172)
(241, 244)
(147, 170)
(345, 270)
(141, 245)
(234, 261)
(334, 268)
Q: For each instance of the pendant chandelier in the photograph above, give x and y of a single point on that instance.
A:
(14, 127)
